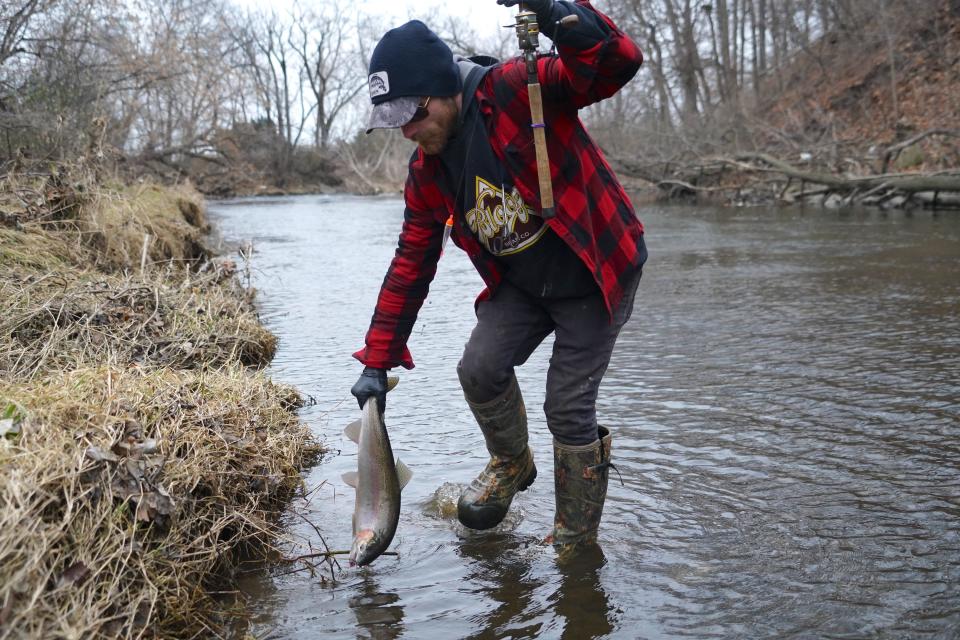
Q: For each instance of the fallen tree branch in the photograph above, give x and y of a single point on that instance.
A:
(893, 152)
(708, 176)
(792, 172)
(675, 184)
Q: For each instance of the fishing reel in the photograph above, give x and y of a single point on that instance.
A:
(528, 37)
(528, 31)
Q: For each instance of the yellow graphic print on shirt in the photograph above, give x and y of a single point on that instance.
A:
(501, 220)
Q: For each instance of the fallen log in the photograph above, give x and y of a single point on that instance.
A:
(726, 176)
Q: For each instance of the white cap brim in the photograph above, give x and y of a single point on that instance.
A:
(393, 113)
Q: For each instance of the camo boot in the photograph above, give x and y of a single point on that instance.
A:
(503, 422)
(580, 481)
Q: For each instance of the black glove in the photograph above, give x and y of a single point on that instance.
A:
(372, 382)
(537, 6)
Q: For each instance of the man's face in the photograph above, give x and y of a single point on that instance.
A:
(433, 132)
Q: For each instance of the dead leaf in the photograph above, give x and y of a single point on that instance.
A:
(153, 504)
(147, 446)
(132, 428)
(75, 574)
(121, 448)
(99, 455)
(135, 468)
(124, 486)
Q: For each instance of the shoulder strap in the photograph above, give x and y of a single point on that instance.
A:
(481, 65)
(473, 80)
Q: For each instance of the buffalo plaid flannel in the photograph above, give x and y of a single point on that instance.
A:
(594, 215)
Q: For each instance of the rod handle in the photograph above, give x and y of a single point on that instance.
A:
(540, 142)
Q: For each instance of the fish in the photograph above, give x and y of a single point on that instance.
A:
(378, 481)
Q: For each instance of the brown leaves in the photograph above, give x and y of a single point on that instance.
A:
(99, 455)
(74, 574)
(135, 471)
(153, 504)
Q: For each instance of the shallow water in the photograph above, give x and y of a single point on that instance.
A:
(785, 406)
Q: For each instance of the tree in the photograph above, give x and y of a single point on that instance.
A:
(325, 43)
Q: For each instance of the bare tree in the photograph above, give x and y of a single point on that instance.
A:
(190, 91)
(265, 42)
(15, 19)
(326, 44)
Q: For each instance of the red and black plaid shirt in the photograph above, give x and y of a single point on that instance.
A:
(593, 214)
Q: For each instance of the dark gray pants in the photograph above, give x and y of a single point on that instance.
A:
(512, 324)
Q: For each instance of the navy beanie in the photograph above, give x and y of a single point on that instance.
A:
(413, 61)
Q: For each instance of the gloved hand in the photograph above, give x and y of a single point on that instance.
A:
(552, 14)
(546, 10)
(537, 6)
(372, 382)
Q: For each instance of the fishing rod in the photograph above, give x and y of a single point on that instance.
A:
(528, 32)
(528, 37)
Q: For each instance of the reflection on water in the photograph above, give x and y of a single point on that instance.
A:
(784, 404)
(581, 600)
(503, 575)
(379, 616)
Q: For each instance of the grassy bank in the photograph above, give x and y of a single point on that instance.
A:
(141, 448)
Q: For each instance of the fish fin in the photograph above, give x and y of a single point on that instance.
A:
(350, 477)
(403, 474)
(353, 431)
(392, 382)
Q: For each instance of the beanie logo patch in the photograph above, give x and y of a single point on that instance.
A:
(379, 84)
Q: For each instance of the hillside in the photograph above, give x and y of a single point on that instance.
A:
(844, 93)
(842, 125)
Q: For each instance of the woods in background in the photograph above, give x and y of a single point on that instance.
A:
(247, 101)
(191, 88)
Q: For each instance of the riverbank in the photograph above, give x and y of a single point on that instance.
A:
(143, 448)
(850, 120)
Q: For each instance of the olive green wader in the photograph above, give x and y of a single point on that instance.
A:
(580, 481)
(503, 422)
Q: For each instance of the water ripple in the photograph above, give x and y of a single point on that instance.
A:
(784, 404)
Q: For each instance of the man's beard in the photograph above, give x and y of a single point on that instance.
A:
(434, 138)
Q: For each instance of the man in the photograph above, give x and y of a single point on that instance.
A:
(574, 275)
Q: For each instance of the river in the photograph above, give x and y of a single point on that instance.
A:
(785, 404)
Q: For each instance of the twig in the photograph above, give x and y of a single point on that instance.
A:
(143, 253)
(320, 554)
(327, 554)
(330, 559)
(306, 496)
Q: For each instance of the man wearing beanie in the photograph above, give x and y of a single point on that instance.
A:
(574, 275)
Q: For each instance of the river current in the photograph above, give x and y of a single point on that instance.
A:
(785, 404)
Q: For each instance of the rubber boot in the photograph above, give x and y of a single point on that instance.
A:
(580, 481)
(503, 422)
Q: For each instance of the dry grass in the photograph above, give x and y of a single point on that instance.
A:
(168, 317)
(140, 448)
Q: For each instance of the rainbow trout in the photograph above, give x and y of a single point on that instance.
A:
(378, 481)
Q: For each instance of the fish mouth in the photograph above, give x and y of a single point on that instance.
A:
(362, 559)
(360, 551)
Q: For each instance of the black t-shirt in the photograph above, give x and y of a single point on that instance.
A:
(533, 256)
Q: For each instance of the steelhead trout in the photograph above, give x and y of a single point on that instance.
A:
(378, 481)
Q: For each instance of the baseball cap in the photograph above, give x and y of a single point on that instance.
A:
(409, 63)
